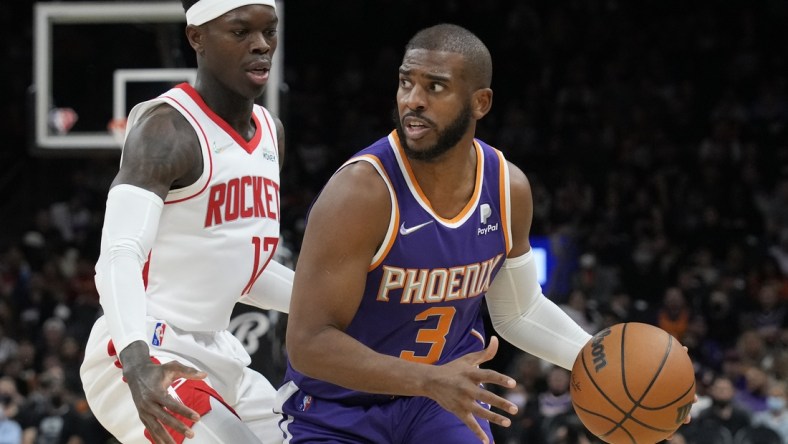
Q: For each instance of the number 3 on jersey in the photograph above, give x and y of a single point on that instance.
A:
(435, 336)
(264, 249)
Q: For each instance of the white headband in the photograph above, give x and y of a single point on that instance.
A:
(206, 10)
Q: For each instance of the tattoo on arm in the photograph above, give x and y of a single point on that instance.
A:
(161, 152)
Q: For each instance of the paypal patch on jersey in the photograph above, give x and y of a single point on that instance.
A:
(484, 214)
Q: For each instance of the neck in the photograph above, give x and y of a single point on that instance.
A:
(227, 104)
(448, 181)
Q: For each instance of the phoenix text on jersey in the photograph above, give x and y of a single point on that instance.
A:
(439, 284)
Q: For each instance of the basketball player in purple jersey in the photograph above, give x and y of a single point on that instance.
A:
(191, 225)
(385, 335)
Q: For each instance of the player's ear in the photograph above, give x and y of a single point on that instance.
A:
(481, 102)
(195, 34)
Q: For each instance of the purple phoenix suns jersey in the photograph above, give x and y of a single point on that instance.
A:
(423, 296)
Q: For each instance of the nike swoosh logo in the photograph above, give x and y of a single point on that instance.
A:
(406, 231)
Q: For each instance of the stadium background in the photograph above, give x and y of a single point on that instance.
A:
(654, 134)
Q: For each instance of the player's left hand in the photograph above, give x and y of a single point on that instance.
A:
(457, 386)
(149, 383)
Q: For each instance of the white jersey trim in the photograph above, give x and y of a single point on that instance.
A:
(391, 232)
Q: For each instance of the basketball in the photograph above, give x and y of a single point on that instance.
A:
(632, 383)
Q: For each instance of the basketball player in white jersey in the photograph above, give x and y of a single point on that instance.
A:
(191, 225)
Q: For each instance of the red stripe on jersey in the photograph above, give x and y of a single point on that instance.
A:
(249, 146)
(207, 147)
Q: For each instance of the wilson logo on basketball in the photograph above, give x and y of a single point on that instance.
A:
(598, 350)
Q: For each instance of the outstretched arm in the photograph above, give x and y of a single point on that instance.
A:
(346, 225)
(518, 310)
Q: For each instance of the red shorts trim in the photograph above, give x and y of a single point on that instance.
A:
(193, 393)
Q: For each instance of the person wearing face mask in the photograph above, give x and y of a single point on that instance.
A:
(776, 415)
(10, 430)
(723, 411)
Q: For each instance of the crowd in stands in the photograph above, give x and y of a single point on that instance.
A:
(655, 138)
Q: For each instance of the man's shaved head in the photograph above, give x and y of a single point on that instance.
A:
(452, 38)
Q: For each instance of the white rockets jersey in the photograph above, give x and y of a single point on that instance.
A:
(217, 235)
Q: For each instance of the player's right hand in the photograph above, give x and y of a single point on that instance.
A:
(457, 387)
(148, 383)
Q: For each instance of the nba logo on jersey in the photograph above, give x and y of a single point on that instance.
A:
(158, 333)
(305, 403)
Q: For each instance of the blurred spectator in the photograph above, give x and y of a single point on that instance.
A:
(72, 218)
(51, 340)
(526, 424)
(49, 417)
(776, 415)
(769, 316)
(8, 346)
(752, 394)
(722, 318)
(577, 307)
(674, 315)
(14, 277)
(723, 411)
(571, 431)
(594, 279)
(43, 240)
(555, 403)
(621, 308)
(757, 435)
(703, 378)
(10, 430)
(764, 272)
(706, 353)
(751, 350)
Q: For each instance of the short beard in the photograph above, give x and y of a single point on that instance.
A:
(447, 138)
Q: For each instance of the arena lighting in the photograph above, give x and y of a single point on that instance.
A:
(544, 257)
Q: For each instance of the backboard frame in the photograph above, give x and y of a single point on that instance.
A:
(49, 14)
(46, 15)
(123, 76)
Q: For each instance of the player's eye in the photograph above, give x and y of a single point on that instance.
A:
(404, 83)
(437, 87)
